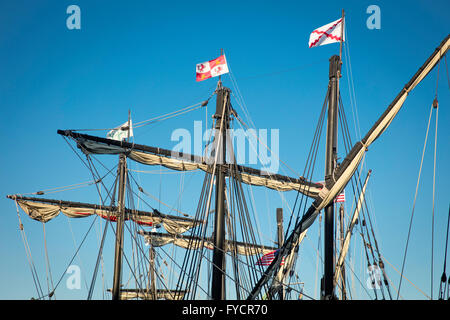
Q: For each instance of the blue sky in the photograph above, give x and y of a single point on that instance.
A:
(141, 55)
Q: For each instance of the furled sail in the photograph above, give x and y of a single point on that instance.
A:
(345, 171)
(191, 242)
(161, 294)
(185, 162)
(44, 210)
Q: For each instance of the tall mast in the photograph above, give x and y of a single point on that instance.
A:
(330, 165)
(280, 243)
(341, 224)
(218, 274)
(122, 169)
(118, 254)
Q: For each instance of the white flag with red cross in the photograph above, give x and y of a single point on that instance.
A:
(326, 34)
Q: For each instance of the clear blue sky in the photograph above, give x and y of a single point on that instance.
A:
(141, 55)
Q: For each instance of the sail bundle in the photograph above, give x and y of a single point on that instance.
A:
(185, 162)
(161, 294)
(193, 243)
(44, 210)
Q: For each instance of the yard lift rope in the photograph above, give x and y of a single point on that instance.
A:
(434, 105)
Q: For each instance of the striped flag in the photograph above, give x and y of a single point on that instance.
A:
(326, 34)
(267, 259)
(211, 68)
(340, 197)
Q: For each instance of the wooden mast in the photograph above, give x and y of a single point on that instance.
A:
(122, 172)
(330, 165)
(118, 254)
(222, 124)
(343, 289)
(280, 241)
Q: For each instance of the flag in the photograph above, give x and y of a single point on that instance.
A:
(121, 132)
(267, 259)
(340, 197)
(211, 68)
(326, 34)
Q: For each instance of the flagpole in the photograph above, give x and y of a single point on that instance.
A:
(129, 129)
(220, 77)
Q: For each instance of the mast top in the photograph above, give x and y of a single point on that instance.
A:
(342, 35)
(219, 83)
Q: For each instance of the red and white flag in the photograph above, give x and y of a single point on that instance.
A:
(340, 197)
(329, 33)
(211, 68)
(267, 259)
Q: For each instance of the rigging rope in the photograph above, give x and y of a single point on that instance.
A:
(442, 289)
(47, 266)
(159, 118)
(29, 256)
(404, 277)
(414, 202)
(435, 105)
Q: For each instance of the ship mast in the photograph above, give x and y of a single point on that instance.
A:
(119, 229)
(118, 253)
(222, 117)
(330, 166)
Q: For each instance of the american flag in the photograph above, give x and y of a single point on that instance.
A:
(340, 197)
(267, 259)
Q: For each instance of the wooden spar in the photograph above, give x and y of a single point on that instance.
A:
(184, 156)
(199, 239)
(129, 212)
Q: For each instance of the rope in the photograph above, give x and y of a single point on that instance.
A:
(194, 265)
(28, 253)
(64, 188)
(404, 277)
(444, 276)
(414, 203)
(47, 265)
(446, 67)
(159, 118)
(154, 120)
(74, 256)
(434, 180)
